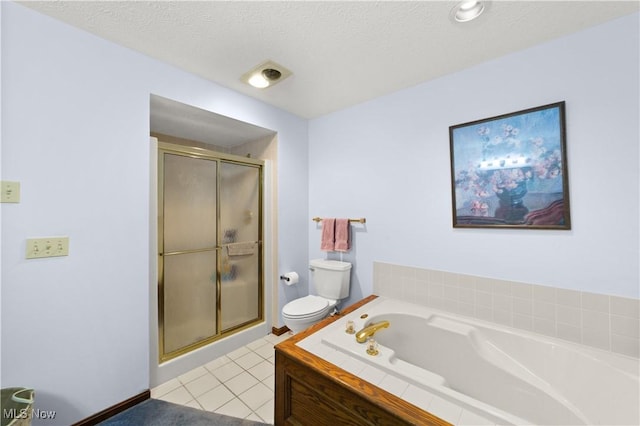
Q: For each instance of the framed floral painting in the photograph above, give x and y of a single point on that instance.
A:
(510, 171)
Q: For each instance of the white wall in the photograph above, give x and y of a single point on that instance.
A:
(389, 162)
(76, 135)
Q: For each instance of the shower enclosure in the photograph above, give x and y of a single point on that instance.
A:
(209, 246)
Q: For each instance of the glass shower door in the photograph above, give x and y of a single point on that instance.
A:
(210, 282)
(240, 257)
(188, 247)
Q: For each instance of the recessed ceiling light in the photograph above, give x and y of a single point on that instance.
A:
(466, 11)
(266, 75)
(257, 80)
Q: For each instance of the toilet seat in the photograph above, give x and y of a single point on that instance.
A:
(305, 307)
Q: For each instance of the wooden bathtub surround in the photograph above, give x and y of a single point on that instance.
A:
(312, 391)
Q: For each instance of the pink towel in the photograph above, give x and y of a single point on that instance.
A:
(342, 235)
(328, 234)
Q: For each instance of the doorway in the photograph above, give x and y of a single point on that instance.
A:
(210, 251)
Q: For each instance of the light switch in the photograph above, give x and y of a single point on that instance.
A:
(47, 247)
(9, 192)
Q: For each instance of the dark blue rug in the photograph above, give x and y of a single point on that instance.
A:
(155, 412)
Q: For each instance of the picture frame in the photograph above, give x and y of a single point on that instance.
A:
(510, 171)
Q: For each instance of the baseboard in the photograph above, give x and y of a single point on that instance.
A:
(279, 331)
(112, 411)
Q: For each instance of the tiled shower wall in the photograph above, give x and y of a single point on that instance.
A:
(602, 321)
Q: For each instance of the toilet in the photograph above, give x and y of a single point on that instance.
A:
(332, 279)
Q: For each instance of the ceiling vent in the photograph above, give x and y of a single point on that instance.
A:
(266, 75)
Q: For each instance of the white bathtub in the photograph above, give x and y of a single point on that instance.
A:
(493, 374)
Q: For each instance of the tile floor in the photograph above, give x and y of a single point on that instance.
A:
(239, 384)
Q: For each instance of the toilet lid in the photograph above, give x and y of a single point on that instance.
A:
(305, 306)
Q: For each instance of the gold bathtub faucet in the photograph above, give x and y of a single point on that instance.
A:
(370, 330)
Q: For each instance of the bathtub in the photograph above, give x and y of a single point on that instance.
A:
(492, 374)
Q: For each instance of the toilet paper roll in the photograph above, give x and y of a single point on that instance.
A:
(290, 278)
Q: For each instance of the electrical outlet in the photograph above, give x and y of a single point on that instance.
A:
(47, 247)
(9, 192)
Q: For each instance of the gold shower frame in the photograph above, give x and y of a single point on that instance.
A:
(219, 157)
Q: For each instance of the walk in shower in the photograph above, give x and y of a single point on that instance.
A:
(210, 271)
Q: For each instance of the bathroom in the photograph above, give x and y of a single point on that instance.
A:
(85, 319)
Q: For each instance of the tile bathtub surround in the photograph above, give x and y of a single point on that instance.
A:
(607, 322)
(239, 384)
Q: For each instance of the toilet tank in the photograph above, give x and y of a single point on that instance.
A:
(331, 278)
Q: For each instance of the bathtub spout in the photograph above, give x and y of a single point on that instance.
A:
(370, 330)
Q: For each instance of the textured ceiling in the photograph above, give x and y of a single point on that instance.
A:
(341, 53)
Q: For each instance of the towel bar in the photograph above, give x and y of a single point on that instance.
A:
(360, 220)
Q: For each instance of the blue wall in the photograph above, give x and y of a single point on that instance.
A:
(388, 160)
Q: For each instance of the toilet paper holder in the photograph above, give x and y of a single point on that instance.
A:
(290, 278)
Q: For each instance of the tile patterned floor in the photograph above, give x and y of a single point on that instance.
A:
(239, 384)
